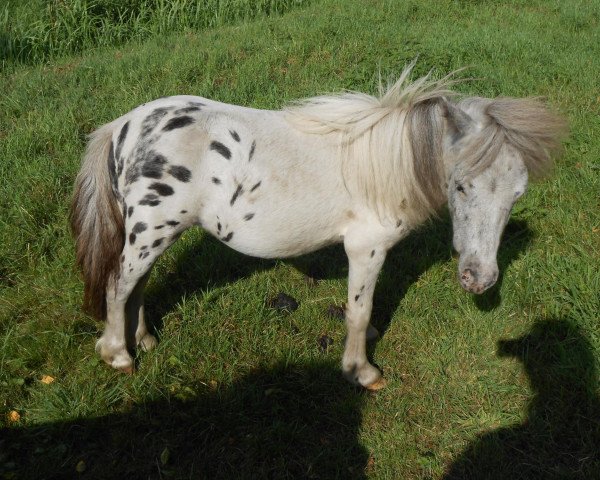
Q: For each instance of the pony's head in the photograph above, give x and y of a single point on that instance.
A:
(491, 148)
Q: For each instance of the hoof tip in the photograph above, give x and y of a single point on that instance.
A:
(376, 385)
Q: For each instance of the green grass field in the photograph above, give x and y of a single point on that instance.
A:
(504, 385)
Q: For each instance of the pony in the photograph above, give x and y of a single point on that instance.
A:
(345, 168)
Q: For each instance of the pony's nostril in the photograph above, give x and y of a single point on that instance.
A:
(467, 275)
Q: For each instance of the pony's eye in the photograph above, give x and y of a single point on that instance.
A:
(460, 188)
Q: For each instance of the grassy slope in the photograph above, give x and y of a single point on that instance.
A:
(256, 382)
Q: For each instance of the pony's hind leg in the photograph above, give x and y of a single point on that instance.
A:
(125, 326)
(138, 334)
(364, 266)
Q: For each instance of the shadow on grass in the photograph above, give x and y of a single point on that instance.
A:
(561, 435)
(210, 264)
(289, 421)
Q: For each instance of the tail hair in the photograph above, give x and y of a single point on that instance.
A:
(96, 221)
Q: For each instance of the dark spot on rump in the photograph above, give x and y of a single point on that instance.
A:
(216, 181)
(145, 255)
(362, 288)
(228, 237)
(139, 227)
(183, 211)
(234, 135)
(122, 258)
(130, 270)
(154, 165)
(372, 253)
(140, 255)
(151, 199)
(248, 216)
(218, 227)
(493, 185)
(356, 297)
(162, 189)
(152, 120)
(132, 238)
(143, 247)
(255, 186)
(157, 242)
(158, 227)
(180, 173)
(121, 139)
(129, 211)
(178, 122)
(172, 223)
(190, 109)
(235, 195)
(112, 170)
(252, 148)
(220, 148)
(398, 223)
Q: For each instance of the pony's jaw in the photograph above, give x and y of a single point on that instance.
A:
(476, 276)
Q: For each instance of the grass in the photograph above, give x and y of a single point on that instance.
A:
(39, 30)
(235, 389)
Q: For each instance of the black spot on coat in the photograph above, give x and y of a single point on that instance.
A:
(139, 227)
(220, 148)
(252, 148)
(151, 199)
(129, 212)
(153, 165)
(180, 172)
(112, 169)
(152, 120)
(216, 181)
(256, 186)
(234, 135)
(157, 242)
(178, 122)
(121, 139)
(248, 216)
(172, 223)
(132, 237)
(238, 191)
(162, 189)
(190, 109)
(228, 237)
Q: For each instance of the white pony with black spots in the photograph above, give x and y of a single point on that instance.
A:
(349, 168)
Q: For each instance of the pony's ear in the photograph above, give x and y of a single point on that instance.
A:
(458, 121)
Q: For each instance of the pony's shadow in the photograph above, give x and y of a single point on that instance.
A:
(286, 421)
(561, 436)
(210, 264)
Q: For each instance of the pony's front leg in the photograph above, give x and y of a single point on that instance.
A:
(364, 267)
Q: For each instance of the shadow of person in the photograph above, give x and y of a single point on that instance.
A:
(286, 421)
(561, 436)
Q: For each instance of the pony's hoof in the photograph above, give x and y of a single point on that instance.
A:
(377, 385)
(147, 342)
(117, 358)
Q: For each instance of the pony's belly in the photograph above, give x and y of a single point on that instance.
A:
(274, 230)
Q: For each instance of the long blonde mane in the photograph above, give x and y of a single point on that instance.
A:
(390, 144)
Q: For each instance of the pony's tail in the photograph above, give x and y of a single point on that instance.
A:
(96, 221)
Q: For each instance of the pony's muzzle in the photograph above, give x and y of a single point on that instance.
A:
(476, 279)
